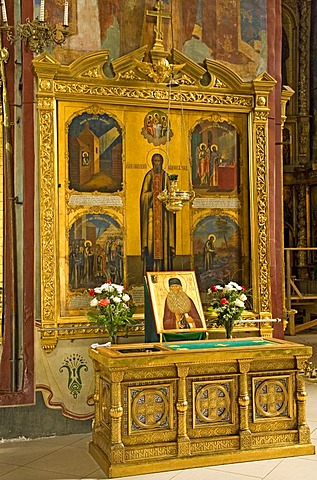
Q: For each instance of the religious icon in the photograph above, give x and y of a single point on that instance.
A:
(156, 128)
(97, 256)
(214, 148)
(95, 153)
(176, 301)
(157, 224)
(217, 251)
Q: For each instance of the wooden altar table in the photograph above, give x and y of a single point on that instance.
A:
(170, 406)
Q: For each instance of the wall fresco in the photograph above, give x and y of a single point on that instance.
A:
(228, 30)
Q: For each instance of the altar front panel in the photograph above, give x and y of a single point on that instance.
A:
(171, 406)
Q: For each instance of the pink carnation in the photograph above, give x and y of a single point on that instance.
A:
(104, 302)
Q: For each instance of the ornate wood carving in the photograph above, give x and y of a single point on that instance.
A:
(85, 83)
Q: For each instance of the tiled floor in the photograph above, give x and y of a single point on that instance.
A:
(67, 457)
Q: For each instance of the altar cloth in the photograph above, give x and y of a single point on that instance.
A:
(227, 343)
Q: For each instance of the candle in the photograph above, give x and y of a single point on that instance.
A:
(42, 11)
(4, 12)
(66, 13)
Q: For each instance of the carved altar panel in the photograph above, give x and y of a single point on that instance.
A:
(197, 403)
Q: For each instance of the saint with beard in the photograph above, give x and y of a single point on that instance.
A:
(180, 311)
(158, 225)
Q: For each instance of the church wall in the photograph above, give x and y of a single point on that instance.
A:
(34, 421)
(239, 42)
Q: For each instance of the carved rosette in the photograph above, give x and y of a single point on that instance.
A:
(213, 403)
(149, 408)
(272, 398)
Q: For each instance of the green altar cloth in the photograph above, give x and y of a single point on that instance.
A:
(243, 342)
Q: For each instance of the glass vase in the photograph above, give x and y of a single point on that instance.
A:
(112, 336)
(229, 328)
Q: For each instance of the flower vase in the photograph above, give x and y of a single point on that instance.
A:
(229, 328)
(113, 337)
(229, 324)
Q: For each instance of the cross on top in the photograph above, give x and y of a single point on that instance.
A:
(158, 13)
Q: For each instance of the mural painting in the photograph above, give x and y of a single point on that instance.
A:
(95, 153)
(215, 154)
(217, 251)
(226, 30)
(95, 251)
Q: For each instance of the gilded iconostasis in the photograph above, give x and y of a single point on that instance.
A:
(143, 97)
(124, 231)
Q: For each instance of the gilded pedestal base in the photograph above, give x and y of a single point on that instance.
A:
(159, 409)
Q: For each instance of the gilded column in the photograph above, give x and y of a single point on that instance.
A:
(182, 407)
(302, 230)
(301, 396)
(244, 404)
(116, 413)
(304, 9)
(47, 121)
(96, 420)
(48, 200)
(263, 85)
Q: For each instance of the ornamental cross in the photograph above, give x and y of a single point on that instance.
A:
(158, 13)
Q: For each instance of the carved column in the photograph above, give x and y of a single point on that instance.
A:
(263, 85)
(182, 407)
(304, 9)
(48, 201)
(116, 413)
(301, 395)
(301, 230)
(244, 402)
(96, 420)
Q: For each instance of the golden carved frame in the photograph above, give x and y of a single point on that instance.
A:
(84, 81)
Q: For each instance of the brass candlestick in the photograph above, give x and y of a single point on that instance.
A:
(38, 34)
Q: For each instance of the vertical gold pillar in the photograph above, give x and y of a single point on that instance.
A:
(244, 405)
(182, 407)
(301, 395)
(46, 107)
(96, 420)
(116, 413)
(259, 193)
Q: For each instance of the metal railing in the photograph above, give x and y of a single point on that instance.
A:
(295, 296)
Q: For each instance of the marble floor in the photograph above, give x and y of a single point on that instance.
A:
(67, 457)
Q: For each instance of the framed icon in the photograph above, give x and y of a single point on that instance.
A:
(175, 301)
